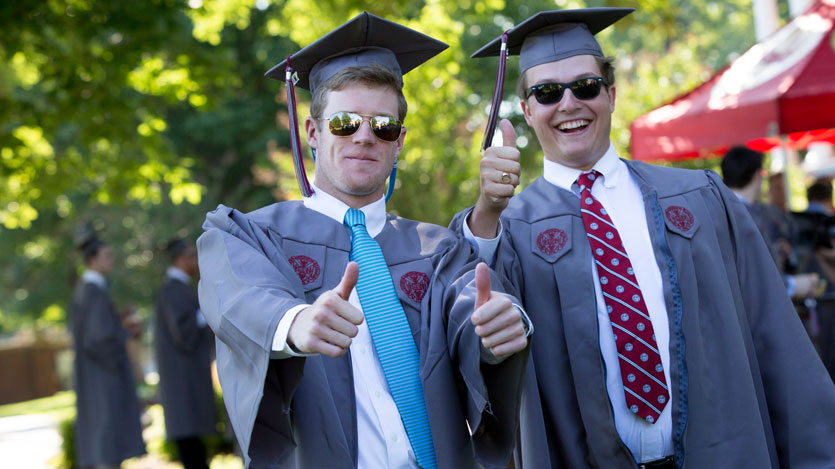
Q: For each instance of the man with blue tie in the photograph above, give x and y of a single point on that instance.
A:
(665, 338)
(349, 337)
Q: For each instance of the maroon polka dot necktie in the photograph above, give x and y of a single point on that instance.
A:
(640, 363)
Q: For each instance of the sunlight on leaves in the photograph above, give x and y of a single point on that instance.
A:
(210, 18)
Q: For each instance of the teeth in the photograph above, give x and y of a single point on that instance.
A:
(573, 124)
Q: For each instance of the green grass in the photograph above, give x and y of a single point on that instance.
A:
(61, 405)
(226, 461)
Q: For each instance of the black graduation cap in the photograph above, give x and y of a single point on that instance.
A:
(554, 35)
(364, 40)
(175, 247)
(546, 37)
(86, 240)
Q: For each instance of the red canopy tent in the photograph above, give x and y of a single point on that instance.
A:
(780, 89)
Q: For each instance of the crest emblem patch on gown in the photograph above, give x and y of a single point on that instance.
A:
(306, 268)
(680, 217)
(414, 284)
(551, 241)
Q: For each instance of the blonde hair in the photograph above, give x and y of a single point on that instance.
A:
(371, 75)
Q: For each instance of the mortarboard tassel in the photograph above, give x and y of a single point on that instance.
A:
(295, 142)
(493, 118)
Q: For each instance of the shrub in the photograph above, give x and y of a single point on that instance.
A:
(67, 431)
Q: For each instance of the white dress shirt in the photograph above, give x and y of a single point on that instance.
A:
(178, 274)
(620, 194)
(94, 277)
(382, 437)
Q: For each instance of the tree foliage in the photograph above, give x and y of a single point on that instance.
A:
(141, 116)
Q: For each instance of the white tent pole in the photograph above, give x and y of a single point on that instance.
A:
(797, 7)
(784, 145)
(766, 18)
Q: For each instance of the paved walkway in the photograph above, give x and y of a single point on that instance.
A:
(29, 441)
(32, 442)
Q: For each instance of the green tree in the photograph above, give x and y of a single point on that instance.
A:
(142, 116)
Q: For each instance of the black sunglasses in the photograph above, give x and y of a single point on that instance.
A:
(550, 93)
(343, 124)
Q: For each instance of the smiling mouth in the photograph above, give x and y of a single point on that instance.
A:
(573, 126)
(360, 158)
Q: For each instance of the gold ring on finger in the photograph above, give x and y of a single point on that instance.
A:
(506, 178)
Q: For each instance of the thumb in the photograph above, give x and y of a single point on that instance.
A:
(508, 133)
(349, 280)
(482, 284)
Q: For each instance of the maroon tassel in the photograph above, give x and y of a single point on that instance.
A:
(493, 118)
(295, 142)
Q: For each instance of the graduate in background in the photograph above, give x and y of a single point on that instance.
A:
(183, 346)
(108, 428)
(743, 173)
(349, 337)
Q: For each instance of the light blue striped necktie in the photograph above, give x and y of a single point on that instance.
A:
(392, 337)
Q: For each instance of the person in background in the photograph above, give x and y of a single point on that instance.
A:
(665, 335)
(776, 196)
(743, 173)
(183, 345)
(108, 428)
(819, 195)
(820, 219)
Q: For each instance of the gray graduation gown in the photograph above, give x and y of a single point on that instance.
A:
(183, 353)
(748, 390)
(107, 428)
(301, 412)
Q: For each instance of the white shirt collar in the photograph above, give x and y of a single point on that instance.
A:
(94, 277)
(610, 166)
(326, 204)
(741, 198)
(178, 274)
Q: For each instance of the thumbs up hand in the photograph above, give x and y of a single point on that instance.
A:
(496, 320)
(348, 282)
(500, 170)
(328, 325)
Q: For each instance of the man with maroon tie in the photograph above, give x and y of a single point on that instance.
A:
(665, 335)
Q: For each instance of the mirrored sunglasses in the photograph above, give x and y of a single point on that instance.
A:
(550, 93)
(343, 124)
